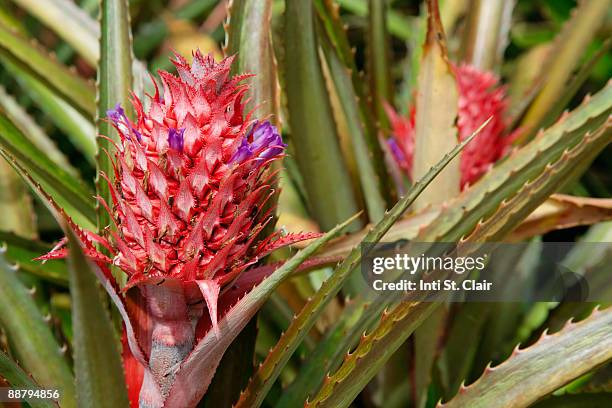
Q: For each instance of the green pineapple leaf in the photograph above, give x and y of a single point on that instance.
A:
(81, 32)
(438, 104)
(19, 379)
(71, 193)
(568, 47)
(378, 56)
(23, 251)
(32, 130)
(100, 381)
(114, 84)
(533, 372)
(23, 52)
(77, 127)
(362, 129)
(331, 196)
(356, 127)
(571, 147)
(487, 31)
(70, 22)
(31, 338)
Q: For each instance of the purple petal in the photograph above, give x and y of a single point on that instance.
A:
(396, 150)
(118, 117)
(243, 153)
(175, 139)
(263, 141)
(116, 114)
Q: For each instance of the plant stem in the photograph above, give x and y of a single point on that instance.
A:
(172, 339)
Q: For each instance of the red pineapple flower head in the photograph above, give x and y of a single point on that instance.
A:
(192, 184)
(480, 97)
(191, 180)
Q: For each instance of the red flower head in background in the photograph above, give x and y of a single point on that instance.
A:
(480, 97)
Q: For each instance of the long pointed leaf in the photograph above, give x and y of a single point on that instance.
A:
(18, 379)
(562, 211)
(342, 336)
(31, 337)
(21, 51)
(23, 251)
(99, 374)
(81, 31)
(366, 144)
(426, 340)
(77, 127)
(341, 388)
(574, 84)
(462, 344)
(395, 327)
(378, 58)
(487, 33)
(565, 55)
(371, 182)
(555, 175)
(69, 21)
(313, 130)
(15, 203)
(21, 146)
(531, 373)
(113, 86)
(437, 102)
(65, 116)
(32, 131)
(67, 190)
(249, 37)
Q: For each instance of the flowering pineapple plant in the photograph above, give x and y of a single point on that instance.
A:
(189, 205)
(225, 177)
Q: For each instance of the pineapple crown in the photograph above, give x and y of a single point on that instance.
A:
(480, 98)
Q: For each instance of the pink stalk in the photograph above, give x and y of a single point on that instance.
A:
(172, 339)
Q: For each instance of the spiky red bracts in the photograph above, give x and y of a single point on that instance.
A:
(191, 179)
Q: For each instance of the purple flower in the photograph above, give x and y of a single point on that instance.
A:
(243, 153)
(117, 114)
(175, 139)
(118, 117)
(267, 141)
(263, 141)
(397, 152)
